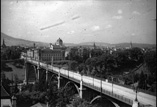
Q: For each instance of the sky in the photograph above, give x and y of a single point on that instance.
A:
(76, 21)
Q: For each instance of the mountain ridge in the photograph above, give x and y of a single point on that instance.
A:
(12, 41)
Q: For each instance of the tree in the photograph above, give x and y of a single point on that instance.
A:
(5, 82)
(91, 64)
(96, 52)
(85, 55)
(107, 64)
(64, 96)
(78, 102)
(142, 81)
(73, 65)
(136, 77)
(122, 58)
(82, 68)
(52, 93)
(150, 60)
(136, 54)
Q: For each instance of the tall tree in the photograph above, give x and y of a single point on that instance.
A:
(150, 60)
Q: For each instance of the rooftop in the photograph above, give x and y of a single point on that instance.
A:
(4, 94)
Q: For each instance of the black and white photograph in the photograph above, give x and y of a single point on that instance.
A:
(78, 53)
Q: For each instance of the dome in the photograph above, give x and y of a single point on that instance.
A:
(59, 42)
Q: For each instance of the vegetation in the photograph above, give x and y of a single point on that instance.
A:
(105, 64)
(5, 82)
(11, 53)
(150, 60)
(32, 94)
(78, 102)
(100, 64)
(5, 67)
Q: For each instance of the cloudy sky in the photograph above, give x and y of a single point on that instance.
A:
(110, 21)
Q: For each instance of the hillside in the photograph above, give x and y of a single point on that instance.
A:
(135, 45)
(11, 41)
(101, 44)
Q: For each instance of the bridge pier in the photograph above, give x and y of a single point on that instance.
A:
(38, 73)
(46, 76)
(26, 74)
(30, 73)
(58, 80)
(81, 89)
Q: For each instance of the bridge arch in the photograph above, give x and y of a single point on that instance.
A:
(31, 71)
(77, 88)
(98, 97)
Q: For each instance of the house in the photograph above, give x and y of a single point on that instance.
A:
(39, 105)
(5, 98)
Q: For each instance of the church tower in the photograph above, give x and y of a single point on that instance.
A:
(3, 45)
(94, 45)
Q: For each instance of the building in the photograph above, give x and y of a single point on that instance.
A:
(58, 45)
(5, 98)
(36, 54)
(55, 52)
(30, 53)
(39, 105)
(47, 55)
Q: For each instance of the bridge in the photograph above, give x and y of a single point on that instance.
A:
(120, 93)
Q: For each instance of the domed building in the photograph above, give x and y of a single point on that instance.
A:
(58, 45)
(59, 42)
(56, 52)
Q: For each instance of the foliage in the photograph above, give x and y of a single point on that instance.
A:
(82, 68)
(5, 67)
(64, 96)
(150, 60)
(122, 58)
(19, 63)
(142, 81)
(96, 52)
(30, 97)
(52, 93)
(136, 54)
(73, 65)
(78, 102)
(5, 82)
(11, 53)
(28, 87)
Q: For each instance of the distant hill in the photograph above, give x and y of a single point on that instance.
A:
(96, 43)
(11, 41)
(135, 45)
(123, 45)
